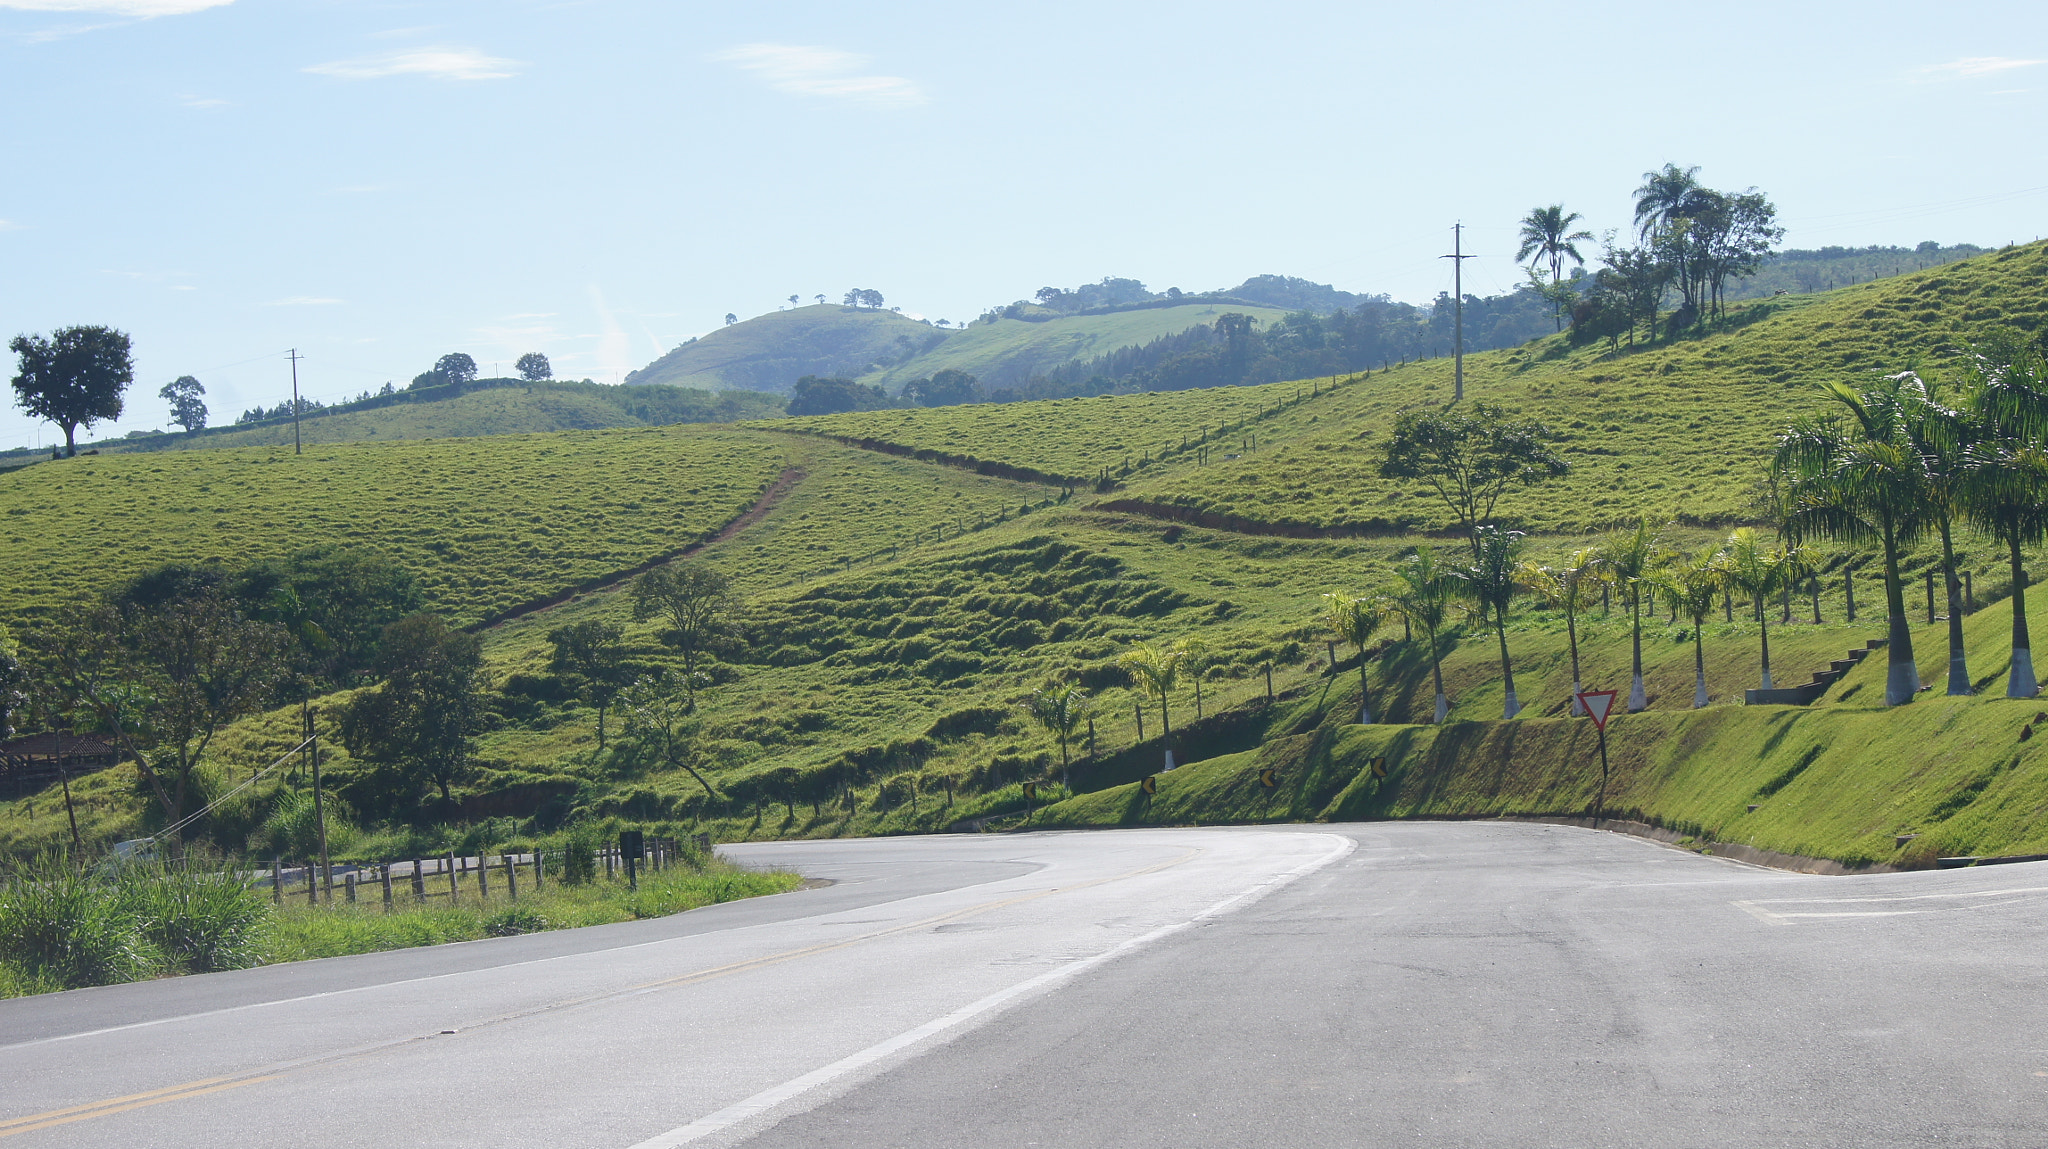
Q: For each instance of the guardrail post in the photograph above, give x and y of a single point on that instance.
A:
(276, 881)
(454, 882)
(536, 868)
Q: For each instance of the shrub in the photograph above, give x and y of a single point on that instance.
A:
(515, 921)
(200, 920)
(579, 860)
(60, 926)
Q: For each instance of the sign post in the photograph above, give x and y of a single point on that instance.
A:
(632, 848)
(1598, 704)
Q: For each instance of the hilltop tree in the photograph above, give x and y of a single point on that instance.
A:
(1423, 592)
(1689, 587)
(694, 601)
(731, 319)
(1490, 582)
(1860, 480)
(534, 367)
(1470, 456)
(821, 300)
(592, 655)
(792, 300)
(418, 726)
(188, 410)
(1548, 236)
(455, 367)
(1355, 619)
(74, 378)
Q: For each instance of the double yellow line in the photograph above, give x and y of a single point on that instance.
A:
(107, 1108)
(113, 1105)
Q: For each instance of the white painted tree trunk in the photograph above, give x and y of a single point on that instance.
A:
(1638, 699)
(2022, 683)
(1512, 707)
(1443, 708)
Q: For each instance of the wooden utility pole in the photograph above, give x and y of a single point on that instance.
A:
(295, 357)
(1458, 258)
(319, 806)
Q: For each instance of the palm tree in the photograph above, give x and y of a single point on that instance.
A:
(1690, 587)
(1942, 436)
(2005, 486)
(1194, 657)
(1631, 558)
(1156, 671)
(1422, 593)
(1547, 235)
(1859, 479)
(1060, 707)
(1567, 586)
(1354, 619)
(1661, 199)
(1756, 569)
(1491, 585)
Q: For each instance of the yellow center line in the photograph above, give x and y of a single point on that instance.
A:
(112, 1105)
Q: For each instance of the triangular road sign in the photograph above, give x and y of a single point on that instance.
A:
(1597, 704)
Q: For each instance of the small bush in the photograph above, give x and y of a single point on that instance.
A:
(579, 860)
(60, 926)
(515, 921)
(200, 920)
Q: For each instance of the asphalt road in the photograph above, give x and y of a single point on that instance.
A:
(1422, 984)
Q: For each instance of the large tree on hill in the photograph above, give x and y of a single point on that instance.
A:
(694, 601)
(1859, 479)
(814, 395)
(455, 367)
(947, 387)
(188, 410)
(419, 725)
(1470, 456)
(534, 367)
(591, 654)
(74, 378)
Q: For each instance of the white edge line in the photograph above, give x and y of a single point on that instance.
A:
(768, 1099)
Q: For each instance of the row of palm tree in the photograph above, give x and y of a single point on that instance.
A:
(1907, 459)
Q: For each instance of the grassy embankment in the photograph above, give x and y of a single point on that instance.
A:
(899, 675)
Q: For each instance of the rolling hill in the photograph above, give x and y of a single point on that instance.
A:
(771, 352)
(900, 605)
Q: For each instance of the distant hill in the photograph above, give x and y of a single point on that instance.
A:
(771, 352)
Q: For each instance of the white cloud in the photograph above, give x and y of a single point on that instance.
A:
(301, 301)
(9, 225)
(1972, 66)
(141, 9)
(435, 63)
(829, 72)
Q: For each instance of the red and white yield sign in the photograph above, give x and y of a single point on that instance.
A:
(1597, 703)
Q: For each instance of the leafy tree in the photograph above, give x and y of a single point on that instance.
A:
(1757, 570)
(1156, 671)
(731, 319)
(534, 367)
(74, 378)
(813, 395)
(1689, 586)
(1490, 582)
(418, 726)
(163, 679)
(1860, 480)
(821, 301)
(1631, 558)
(1547, 234)
(945, 388)
(1354, 619)
(694, 601)
(334, 601)
(2005, 489)
(1470, 457)
(1060, 707)
(13, 683)
(592, 655)
(871, 298)
(188, 410)
(792, 301)
(1568, 586)
(456, 367)
(1422, 592)
(661, 718)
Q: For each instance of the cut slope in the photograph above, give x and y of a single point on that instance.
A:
(771, 352)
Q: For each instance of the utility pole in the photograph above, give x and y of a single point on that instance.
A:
(319, 804)
(1458, 258)
(297, 449)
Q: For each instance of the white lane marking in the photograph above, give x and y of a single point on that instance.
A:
(1780, 917)
(768, 1099)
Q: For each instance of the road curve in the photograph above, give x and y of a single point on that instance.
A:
(1395, 984)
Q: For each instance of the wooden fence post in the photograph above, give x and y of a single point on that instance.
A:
(419, 880)
(312, 884)
(536, 868)
(349, 880)
(511, 877)
(385, 870)
(454, 881)
(483, 876)
(276, 881)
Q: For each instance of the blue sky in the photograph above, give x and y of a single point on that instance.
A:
(376, 183)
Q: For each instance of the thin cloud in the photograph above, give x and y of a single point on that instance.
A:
(828, 72)
(301, 301)
(137, 9)
(9, 225)
(202, 102)
(1970, 67)
(433, 63)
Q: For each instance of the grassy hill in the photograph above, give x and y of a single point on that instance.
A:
(1006, 352)
(771, 352)
(898, 613)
